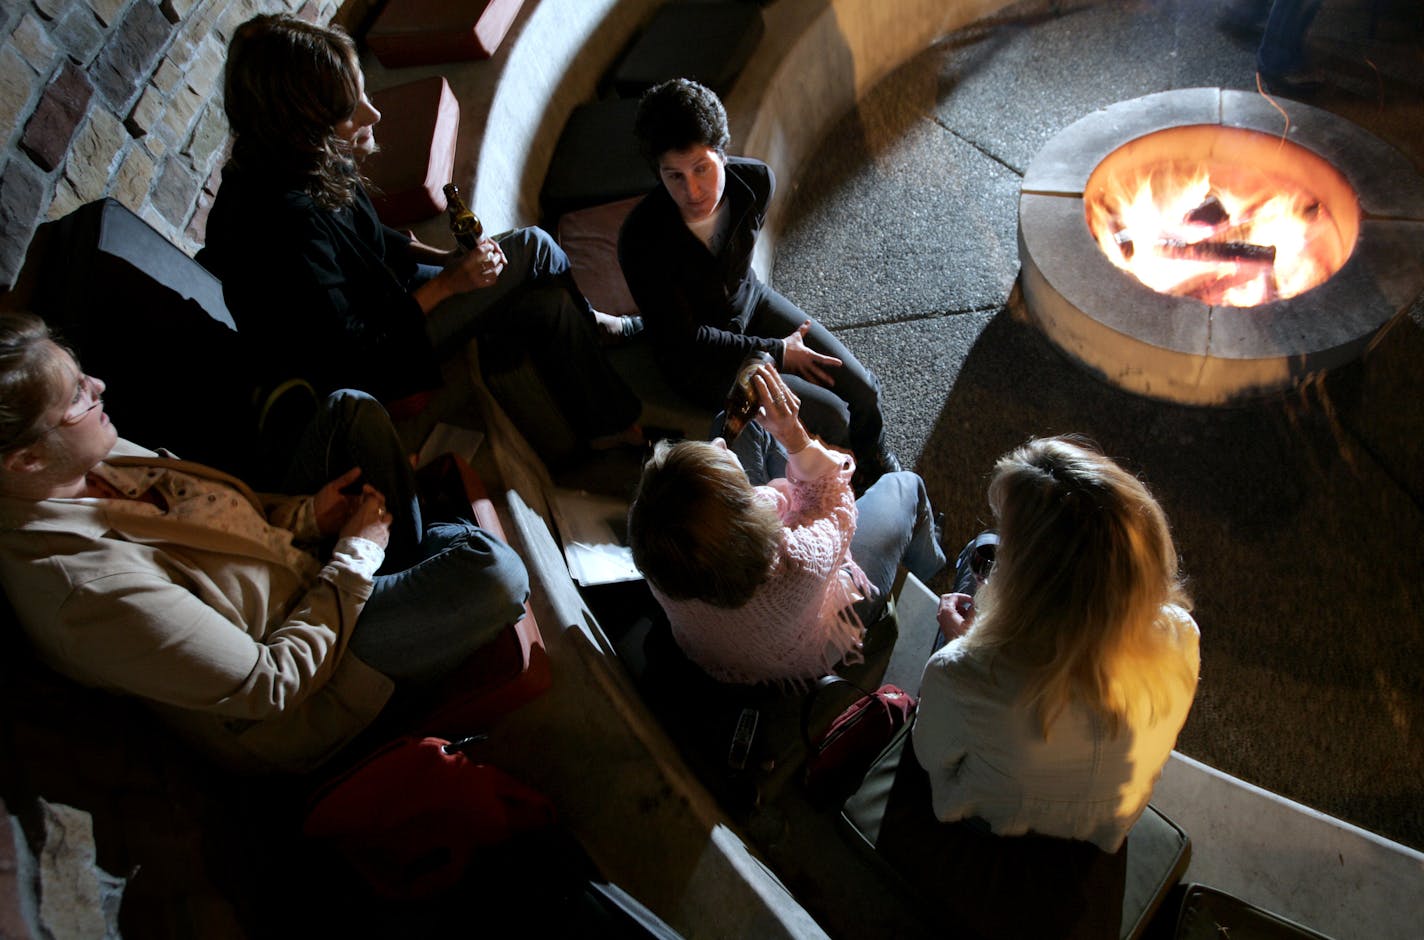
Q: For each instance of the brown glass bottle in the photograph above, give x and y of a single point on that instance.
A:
(464, 224)
(742, 404)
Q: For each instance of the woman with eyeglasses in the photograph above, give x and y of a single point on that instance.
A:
(1071, 671)
(271, 629)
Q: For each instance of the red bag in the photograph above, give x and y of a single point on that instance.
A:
(838, 760)
(410, 817)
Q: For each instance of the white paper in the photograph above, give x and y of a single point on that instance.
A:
(593, 530)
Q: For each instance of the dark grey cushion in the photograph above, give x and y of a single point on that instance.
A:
(151, 322)
(596, 160)
(709, 42)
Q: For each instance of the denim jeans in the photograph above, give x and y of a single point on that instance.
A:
(1282, 46)
(535, 309)
(442, 591)
(847, 414)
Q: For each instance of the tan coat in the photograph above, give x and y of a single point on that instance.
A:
(244, 654)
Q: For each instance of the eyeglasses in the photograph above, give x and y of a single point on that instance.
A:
(86, 398)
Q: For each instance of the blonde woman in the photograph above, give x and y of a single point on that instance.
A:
(774, 582)
(1067, 679)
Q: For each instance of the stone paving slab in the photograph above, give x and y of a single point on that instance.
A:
(891, 202)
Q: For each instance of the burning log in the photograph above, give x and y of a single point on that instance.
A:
(1243, 252)
(1209, 212)
(1123, 239)
(1211, 287)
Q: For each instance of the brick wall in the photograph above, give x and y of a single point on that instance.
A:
(118, 98)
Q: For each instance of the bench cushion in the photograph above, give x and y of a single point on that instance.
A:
(709, 42)
(590, 238)
(1209, 913)
(421, 122)
(424, 32)
(596, 159)
(149, 319)
(971, 882)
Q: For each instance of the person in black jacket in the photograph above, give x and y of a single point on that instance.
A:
(686, 252)
(329, 294)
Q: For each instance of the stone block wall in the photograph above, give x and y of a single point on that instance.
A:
(118, 98)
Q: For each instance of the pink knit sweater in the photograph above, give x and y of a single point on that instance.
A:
(799, 623)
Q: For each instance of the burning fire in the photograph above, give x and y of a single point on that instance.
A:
(1225, 235)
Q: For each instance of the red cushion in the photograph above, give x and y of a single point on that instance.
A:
(424, 32)
(503, 674)
(420, 124)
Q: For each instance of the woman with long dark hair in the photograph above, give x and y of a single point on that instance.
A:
(329, 294)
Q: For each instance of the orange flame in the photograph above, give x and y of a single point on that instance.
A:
(1208, 232)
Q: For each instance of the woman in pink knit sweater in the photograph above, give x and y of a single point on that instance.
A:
(776, 581)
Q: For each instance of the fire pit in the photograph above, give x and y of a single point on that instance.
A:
(1198, 247)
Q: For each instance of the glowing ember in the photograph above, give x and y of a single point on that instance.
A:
(1224, 234)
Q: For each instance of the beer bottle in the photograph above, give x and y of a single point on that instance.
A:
(742, 404)
(463, 223)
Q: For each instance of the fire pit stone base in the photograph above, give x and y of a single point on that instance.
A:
(1181, 349)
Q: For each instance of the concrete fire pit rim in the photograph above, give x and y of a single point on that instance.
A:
(1383, 179)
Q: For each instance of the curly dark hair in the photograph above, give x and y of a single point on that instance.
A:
(288, 83)
(678, 114)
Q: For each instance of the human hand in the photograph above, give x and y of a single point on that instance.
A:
(956, 615)
(780, 409)
(476, 269)
(800, 359)
(333, 504)
(369, 520)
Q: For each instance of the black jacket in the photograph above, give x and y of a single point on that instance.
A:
(322, 294)
(695, 303)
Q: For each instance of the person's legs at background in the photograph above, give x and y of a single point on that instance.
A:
(565, 350)
(424, 621)
(1281, 56)
(761, 456)
(351, 429)
(531, 257)
(895, 527)
(853, 403)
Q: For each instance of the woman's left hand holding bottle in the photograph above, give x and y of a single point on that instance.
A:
(479, 268)
(780, 409)
(463, 272)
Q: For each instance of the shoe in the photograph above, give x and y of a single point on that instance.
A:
(883, 461)
(628, 327)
